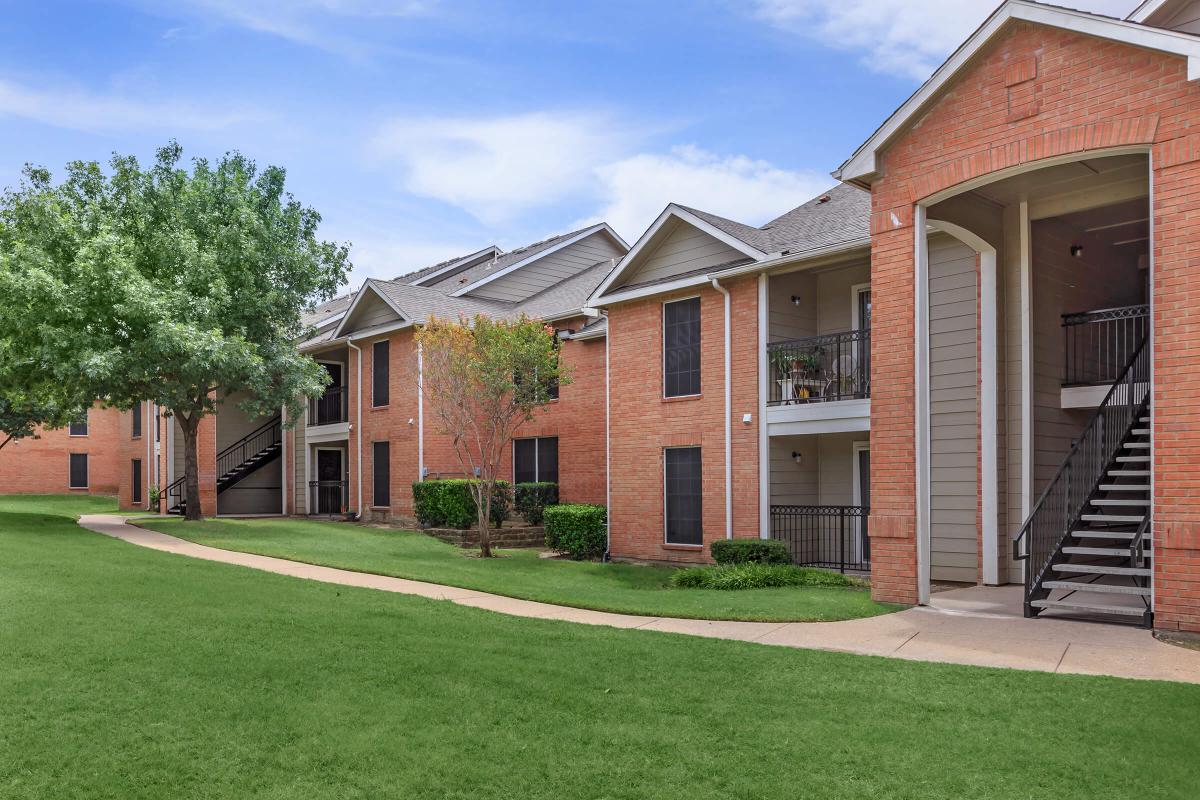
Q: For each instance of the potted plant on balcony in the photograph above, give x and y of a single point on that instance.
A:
(781, 360)
(807, 364)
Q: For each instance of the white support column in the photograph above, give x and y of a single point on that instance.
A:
(921, 387)
(764, 441)
(1026, 363)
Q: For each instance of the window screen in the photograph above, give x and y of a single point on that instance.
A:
(684, 493)
(681, 348)
(379, 374)
(381, 473)
(137, 480)
(79, 471)
(137, 419)
(535, 460)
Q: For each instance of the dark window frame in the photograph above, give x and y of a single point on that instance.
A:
(537, 459)
(386, 500)
(87, 476)
(381, 367)
(694, 386)
(135, 427)
(135, 493)
(73, 427)
(696, 540)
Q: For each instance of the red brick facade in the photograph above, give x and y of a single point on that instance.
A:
(42, 465)
(643, 422)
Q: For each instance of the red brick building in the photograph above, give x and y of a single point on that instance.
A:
(82, 458)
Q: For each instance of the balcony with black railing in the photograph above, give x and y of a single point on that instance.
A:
(1098, 344)
(328, 497)
(830, 537)
(330, 408)
(820, 369)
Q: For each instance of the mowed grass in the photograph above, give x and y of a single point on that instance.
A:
(624, 588)
(131, 673)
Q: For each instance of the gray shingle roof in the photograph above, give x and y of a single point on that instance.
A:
(419, 303)
(567, 295)
(480, 271)
(326, 310)
(467, 260)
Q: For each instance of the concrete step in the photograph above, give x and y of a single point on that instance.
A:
(1124, 487)
(1132, 501)
(1132, 459)
(1136, 445)
(1096, 569)
(1103, 588)
(1075, 550)
(1091, 534)
(1095, 608)
(1114, 519)
(1129, 473)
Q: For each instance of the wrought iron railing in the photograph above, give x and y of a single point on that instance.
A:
(832, 537)
(820, 368)
(234, 457)
(1098, 344)
(1065, 499)
(330, 408)
(328, 497)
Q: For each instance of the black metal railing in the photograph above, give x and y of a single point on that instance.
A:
(328, 497)
(1098, 344)
(330, 408)
(234, 457)
(174, 493)
(831, 537)
(818, 369)
(1065, 499)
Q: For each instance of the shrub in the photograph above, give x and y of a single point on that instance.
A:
(757, 576)
(750, 551)
(532, 498)
(448, 503)
(577, 530)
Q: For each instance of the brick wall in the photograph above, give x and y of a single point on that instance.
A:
(643, 423)
(42, 465)
(1037, 93)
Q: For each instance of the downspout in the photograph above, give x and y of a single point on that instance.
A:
(607, 451)
(151, 461)
(728, 422)
(358, 427)
(420, 411)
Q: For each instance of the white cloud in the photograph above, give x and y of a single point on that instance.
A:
(908, 37)
(498, 168)
(81, 110)
(737, 187)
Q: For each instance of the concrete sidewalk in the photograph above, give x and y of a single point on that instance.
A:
(982, 626)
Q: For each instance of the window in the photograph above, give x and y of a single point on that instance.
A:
(864, 309)
(379, 374)
(137, 481)
(381, 474)
(681, 348)
(535, 460)
(79, 427)
(684, 490)
(79, 471)
(137, 420)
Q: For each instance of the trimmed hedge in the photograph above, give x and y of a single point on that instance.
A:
(531, 498)
(758, 576)
(576, 529)
(448, 503)
(750, 551)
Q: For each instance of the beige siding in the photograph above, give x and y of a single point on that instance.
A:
(953, 398)
(788, 320)
(792, 483)
(300, 477)
(371, 311)
(551, 269)
(835, 302)
(682, 249)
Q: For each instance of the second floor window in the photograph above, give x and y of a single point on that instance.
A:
(681, 348)
(136, 418)
(379, 374)
(79, 427)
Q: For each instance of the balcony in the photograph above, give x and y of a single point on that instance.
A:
(820, 369)
(830, 537)
(330, 408)
(1097, 346)
(328, 497)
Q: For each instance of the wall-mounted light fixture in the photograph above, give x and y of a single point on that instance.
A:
(797, 456)
(1076, 251)
(795, 300)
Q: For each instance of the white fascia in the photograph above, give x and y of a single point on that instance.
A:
(861, 165)
(455, 264)
(369, 284)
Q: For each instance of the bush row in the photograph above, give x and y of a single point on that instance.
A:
(757, 576)
(576, 529)
(750, 551)
(532, 498)
(449, 503)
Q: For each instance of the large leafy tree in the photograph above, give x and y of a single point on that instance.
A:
(166, 284)
(483, 379)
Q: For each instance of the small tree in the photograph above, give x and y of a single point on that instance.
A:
(166, 285)
(483, 379)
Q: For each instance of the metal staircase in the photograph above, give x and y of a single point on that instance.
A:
(1086, 544)
(237, 461)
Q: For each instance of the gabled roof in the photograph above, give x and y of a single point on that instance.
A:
(524, 256)
(838, 217)
(450, 267)
(860, 167)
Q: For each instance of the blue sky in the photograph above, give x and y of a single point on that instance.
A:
(422, 129)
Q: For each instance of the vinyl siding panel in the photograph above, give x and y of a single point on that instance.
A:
(549, 270)
(683, 249)
(370, 312)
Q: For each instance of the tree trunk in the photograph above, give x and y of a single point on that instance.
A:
(484, 506)
(191, 466)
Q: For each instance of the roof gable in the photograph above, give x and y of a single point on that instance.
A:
(550, 268)
(371, 308)
(861, 166)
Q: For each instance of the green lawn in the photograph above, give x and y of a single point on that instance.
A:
(623, 588)
(131, 673)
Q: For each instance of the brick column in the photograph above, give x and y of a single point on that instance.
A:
(206, 457)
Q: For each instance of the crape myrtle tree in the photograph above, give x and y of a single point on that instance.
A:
(483, 378)
(166, 284)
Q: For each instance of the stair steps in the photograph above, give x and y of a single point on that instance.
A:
(1104, 608)
(1116, 519)
(1100, 569)
(1129, 473)
(1084, 550)
(1124, 487)
(1102, 588)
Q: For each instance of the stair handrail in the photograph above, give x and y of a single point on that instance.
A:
(1062, 503)
(272, 426)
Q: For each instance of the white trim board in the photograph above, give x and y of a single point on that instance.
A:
(862, 163)
(539, 255)
(359, 295)
(455, 264)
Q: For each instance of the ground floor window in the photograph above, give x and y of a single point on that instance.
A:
(381, 474)
(137, 481)
(535, 460)
(78, 478)
(684, 492)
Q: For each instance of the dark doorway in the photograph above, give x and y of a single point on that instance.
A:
(329, 481)
(864, 491)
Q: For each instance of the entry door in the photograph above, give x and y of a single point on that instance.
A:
(329, 477)
(329, 408)
(864, 491)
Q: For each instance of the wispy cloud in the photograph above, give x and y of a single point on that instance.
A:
(83, 110)
(908, 38)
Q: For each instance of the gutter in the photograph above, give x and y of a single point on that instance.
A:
(607, 453)
(358, 428)
(728, 411)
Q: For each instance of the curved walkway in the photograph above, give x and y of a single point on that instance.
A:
(981, 626)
